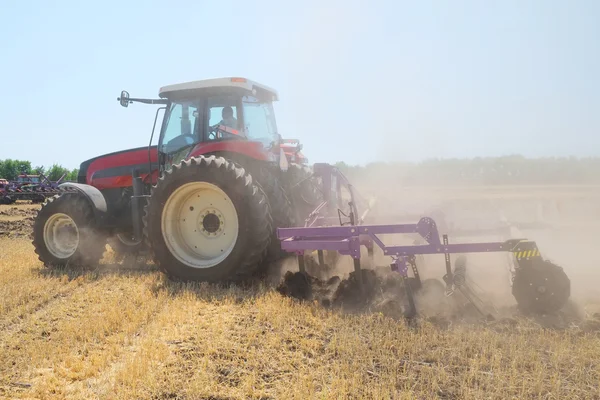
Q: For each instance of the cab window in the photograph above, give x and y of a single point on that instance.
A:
(259, 120)
(223, 111)
(181, 127)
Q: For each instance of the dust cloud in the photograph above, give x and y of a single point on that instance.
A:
(562, 219)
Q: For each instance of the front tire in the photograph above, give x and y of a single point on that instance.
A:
(65, 232)
(207, 221)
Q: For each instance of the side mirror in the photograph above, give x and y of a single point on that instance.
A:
(124, 99)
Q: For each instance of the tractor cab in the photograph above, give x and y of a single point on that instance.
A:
(216, 116)
(26, 179)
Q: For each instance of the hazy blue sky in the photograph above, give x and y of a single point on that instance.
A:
(359, 81)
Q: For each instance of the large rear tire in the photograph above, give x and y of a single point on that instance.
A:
(65, 232)
(207, 221)
(281, 211)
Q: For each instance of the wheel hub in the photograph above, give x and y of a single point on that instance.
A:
(541, 289)
(61, 235)
(212, 223)
(199, 224)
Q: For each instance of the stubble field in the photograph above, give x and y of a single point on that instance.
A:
(123, 331)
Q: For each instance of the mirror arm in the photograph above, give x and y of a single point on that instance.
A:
(146, 101)
(151, 101)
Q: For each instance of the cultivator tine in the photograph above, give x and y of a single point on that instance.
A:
(301, 265)
(400, 265)
(448, 278)
(412, 309)
(460, 282)
(371, 254)
(321, 258)
(475, 300)
(412, 260)
(358, 273)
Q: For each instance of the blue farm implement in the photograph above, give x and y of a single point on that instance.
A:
(34, 188)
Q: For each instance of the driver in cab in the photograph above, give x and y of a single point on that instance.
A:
(228, 119)
(229, 124)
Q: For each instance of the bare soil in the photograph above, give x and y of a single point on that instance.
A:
(16, 220)
(385, 293)
(124, 331)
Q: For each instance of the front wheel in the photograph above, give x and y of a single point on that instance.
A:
(207, 221)
(65, 232)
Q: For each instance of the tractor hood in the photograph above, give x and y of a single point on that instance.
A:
(114, 169)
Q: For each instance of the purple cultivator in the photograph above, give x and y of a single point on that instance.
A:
(538, 285)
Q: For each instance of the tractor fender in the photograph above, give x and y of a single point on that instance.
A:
(92, 194)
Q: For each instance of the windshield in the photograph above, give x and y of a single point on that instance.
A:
(28, 179)
(259, 120)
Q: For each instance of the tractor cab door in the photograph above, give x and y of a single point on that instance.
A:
(180, 132)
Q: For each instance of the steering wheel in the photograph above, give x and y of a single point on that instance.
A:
(218, 133)
(213, 132)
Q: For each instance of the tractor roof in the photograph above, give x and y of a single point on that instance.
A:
(212, 85)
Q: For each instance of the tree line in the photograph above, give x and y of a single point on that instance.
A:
(508, 170)
(11, 169)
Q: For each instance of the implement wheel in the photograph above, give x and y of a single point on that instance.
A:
(207, 221)
(65, 232)
(6, 200)
(541, 287)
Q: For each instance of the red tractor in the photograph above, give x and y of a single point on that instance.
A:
(205, 201)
